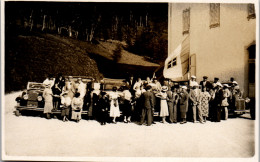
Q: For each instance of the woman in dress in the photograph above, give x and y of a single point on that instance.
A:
(205, 98)
(47, 95)
(127, 105)
(56, 96)
(224, 103)
(76, 105)
(164, 107)
(114, 106)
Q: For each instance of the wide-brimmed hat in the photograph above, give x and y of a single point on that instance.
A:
(193, 76)
(184, 87)
(164, 88)
(226, 85)
(219, 84)
(234, 82)
(205, 77)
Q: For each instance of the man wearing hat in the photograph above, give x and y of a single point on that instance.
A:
(172, 100)
(193, 81)
(216, 81)
(217, 102)
(205, 83)
(195, 97)
(183, 100)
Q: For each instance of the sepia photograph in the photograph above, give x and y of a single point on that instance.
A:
(129, 81)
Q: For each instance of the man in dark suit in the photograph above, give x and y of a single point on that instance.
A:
(184, 103)
(172, 100)
(148, 106)
(205, 83)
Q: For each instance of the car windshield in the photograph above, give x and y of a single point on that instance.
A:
(35, 86)
(110, 83)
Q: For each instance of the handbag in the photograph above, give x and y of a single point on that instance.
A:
(115, 102)
(224, 102)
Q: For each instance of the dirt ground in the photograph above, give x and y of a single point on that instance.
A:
(36, 136)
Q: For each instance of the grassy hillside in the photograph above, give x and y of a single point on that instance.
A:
(33, 57)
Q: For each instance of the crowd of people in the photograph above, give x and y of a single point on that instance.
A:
(139, 100)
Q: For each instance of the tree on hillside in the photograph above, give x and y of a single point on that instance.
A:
(117, 53)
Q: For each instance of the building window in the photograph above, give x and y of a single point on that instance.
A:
(186, 21)
(214, 15)
(251, 11)
(172, 63)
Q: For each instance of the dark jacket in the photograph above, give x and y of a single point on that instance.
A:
(183, 101)
(172, 97)
(207, 84)
(148, 100)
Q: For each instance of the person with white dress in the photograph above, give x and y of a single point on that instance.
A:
(48, 98)
(76, 107)
(164, 106)
(114, 106)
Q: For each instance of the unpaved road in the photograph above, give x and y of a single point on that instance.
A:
(36, 136)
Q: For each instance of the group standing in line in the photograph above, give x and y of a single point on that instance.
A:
(139, 100)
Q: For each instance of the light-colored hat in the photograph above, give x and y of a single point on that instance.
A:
(234, 82)
(226, 85)
(164, 88)
(219, 84)
(184, 87)
(70, 77)
(79, 78)
(193, 76)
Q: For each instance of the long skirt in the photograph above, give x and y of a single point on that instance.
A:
(75, 114)
(114, 110)
(48, 106)
(65, 111)
(127, 108)
(164, 109)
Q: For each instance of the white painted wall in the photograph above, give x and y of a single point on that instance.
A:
(221, 51)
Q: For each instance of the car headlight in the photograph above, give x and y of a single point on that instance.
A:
(39, 98)
(247, 100)
(25, 97)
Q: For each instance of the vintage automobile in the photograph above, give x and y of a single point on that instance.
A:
(31, 99)
(240, 105)
(107, 84)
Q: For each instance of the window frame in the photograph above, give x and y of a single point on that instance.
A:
(186, 21)
(172, 63)
(214, 13)
(251, 11)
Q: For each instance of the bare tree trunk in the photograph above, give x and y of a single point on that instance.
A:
(87, 35)
(70, 31)
(31, 21)
(44, 23)
(59, 30)
(146, 19)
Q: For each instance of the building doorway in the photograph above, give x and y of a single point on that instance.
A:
(251, 72)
